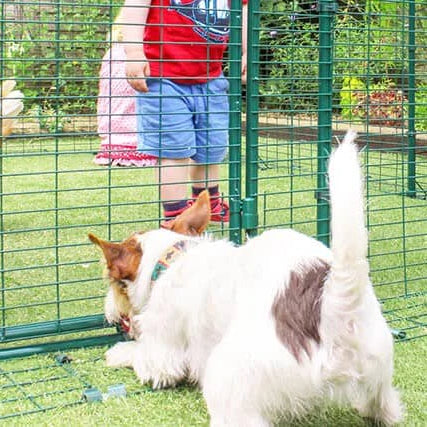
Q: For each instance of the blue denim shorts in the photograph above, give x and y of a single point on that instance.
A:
(178, 121)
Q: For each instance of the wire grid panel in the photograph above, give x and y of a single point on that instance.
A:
(59, 380)
(379, 88)
(382, 90)
(71, 165)
(33, 387)
(52, 195)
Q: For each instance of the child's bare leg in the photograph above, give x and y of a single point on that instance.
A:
(203, 176)
(173, 179)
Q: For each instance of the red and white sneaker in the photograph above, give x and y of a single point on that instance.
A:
(220, 211)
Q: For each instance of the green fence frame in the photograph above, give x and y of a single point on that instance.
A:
(326, 11)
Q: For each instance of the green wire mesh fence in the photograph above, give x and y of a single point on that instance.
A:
(314, 69)
(365, 64)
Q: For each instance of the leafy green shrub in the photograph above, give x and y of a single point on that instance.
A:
(370, 50)
(54, 52)
(421, 108)
(289, 57)
(386, 107)
(383, 104)
(350, 94)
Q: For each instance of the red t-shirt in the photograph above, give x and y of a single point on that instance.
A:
(185, 40)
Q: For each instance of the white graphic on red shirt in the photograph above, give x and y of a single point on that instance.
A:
(211, 17)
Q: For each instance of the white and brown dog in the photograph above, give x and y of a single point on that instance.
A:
(269, 330)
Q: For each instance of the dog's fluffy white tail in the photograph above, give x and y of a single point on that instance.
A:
(349, 235)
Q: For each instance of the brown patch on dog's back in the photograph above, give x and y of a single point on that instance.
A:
(296, 311)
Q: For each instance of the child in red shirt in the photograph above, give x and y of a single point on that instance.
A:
(175, 50)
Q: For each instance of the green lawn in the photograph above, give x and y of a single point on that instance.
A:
(53, 196)
(183, 406)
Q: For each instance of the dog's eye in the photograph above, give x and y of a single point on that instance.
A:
(125, 281)
(122, 283)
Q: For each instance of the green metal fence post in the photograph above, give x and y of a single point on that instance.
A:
(2, 278)
(57, 80)
(250, 209)
(326, 9)
(411, 100)
(235, 132)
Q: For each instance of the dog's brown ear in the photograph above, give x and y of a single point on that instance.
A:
(194, 220)
(122, 258)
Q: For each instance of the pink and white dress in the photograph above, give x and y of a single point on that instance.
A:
(116, 115)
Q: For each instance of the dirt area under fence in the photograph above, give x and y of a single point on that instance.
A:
(305, 129)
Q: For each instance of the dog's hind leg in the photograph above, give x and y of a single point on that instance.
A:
(390, 409)
(385, 407)
(225, 408)
(229, 394)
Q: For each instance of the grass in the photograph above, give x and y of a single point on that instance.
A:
(183, 406)
(52, 196)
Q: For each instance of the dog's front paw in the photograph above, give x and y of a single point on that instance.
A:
(136, 326)
(142, 373)
(157, 379)
(121, 355)
(164, 381)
